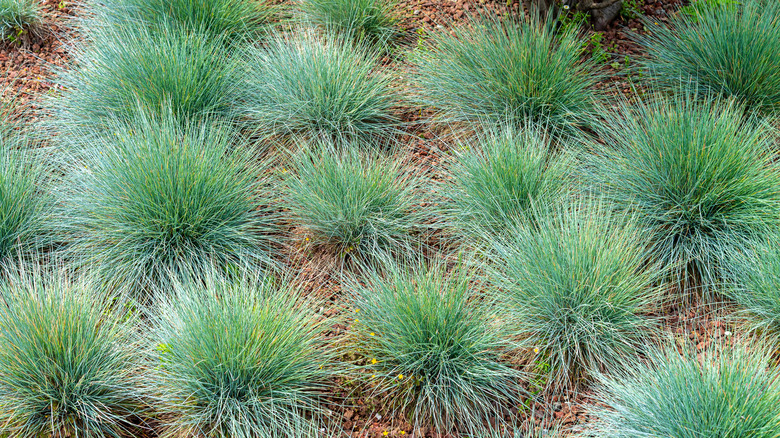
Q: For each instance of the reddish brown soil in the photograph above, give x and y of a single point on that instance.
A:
(28, 75)
(27, 64)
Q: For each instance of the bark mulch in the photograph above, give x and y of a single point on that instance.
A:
(28, 74)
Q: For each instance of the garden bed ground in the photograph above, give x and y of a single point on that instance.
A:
(30, 63)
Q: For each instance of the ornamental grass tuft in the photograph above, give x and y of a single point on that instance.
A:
(19, 16)
(156, 199)
(239, 358)
(517, 72)
(724, 392)
(372, 22)
(575, 290)
(231, 21)
(26, 203)
(500, 175)
(118, 69)
(756, 285)
(433, 346)
(360, 205)
(731, 50)
(701, 180)
(68, 360)
(311, 87)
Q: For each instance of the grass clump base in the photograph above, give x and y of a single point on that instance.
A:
(19, 16)
(574, 292)
(433, 347)
(239, 358)
(68, 360)
(731, 392)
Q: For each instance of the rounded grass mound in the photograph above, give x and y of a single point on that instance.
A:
(521, 73)
(26, 221)
(121, 68)
(731, 51)
(500, 176)
(68, 360)
(158, 199)
(756, 288)
(360, 205)
(19, 16)
(302, 86)
(433, 347)
(701, 180)
(575, 291)
(372, 22)
(232, 21)
(729, 393)
(239, 358)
